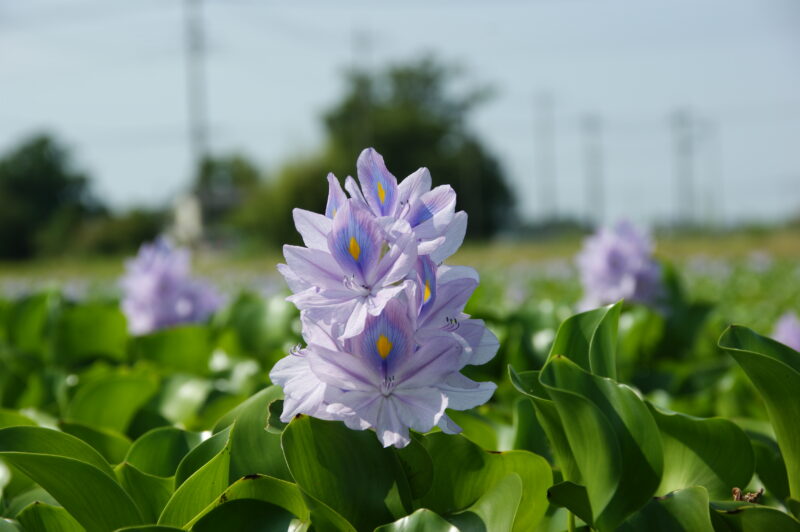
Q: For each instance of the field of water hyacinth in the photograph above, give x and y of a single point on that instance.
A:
(389, 386)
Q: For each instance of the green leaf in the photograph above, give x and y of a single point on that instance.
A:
(28, 321)
(613, 437)
(263, 488)
(6, 525)
(182, 396)
(41, 517)
(246, 515)
(476, 427)
(91, 330)
(160, 451)
(112, 445)
(589, 339)
(149, 528)
(463, 473)
(684, 510)
(111, 401)
(746, 517)
(769, 465)
(149, 492)
(198, 491)
(73, 473)
(417, 466)
(23, 500)
(573, 497)
(201, 454)
(527, 382)
(774, 369)
(12, 418)
(185, 348)
(713, 453)
(347, 470)
(39, 440)
(495, 510)
(254, 450)
(421, 520)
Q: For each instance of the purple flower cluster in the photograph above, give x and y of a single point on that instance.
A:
(383, 321)
(617, 263)
(787, 330)
(159, 292)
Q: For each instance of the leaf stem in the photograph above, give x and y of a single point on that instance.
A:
(570, 521)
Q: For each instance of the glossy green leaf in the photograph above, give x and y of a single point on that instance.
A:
(421, 520)
(111, 401)
(347, 470)
(198, 491)
(684, 510)
(527, 382)
(246, 515)
(12, 418)
(149, 528)
(774, 369)
(463, 473)
(713, 453)
(613, 437)
(746, 517)
(41, 517)
(254, 449)
(91, 330)
(182, 396)
(7, 525)
(201, 454)
(417, 466)
(112, 445)
(73, 473)
(184, 348)
(263, 488)
(769, 465)
(25, 499)
(573, 497)
(160, 451)
(149, 492)
(325, 518)
(28, 321)
(589, 339)
(39, 440)
(496, 510)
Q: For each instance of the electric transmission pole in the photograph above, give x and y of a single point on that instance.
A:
(591, 127)
(546, 155)
(195, 82)
(683, 139)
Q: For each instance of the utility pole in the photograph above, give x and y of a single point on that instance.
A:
(546, 155)
(684, 145)
(591, 128)
(196, 82)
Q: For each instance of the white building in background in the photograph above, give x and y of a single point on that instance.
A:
(187, 228)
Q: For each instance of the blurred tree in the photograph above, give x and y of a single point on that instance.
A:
(411, 115)
(43, 198)
(120, 233)
(222, 183)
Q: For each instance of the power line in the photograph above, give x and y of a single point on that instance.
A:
(195, 81)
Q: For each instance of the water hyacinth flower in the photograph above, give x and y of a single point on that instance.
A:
(159, 292)
(617, 263)
(787, 330)
(383, 320)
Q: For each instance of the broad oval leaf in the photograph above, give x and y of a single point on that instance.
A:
(613, 437)
(160, 451)
(347, 470)
(463, 473)
(246, 515)
(684, 510)
(149, 492)
(775, 371)
(112, 445)
(421, 520)
(42, 517)
(111, 401)
(496, 510)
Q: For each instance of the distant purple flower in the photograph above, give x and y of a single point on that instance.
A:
(787, 330)
(158, 291)
(618, 264)
(382, 318)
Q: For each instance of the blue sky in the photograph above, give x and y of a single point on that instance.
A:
(108, 77)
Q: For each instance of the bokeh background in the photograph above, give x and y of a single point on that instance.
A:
(210, 120)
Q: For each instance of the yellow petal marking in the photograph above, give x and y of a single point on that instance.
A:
(427, 294)
(355, 249)
(381, 193)
(384, 346)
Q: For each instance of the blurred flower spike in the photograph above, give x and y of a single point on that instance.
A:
(617, 263)
(787, 330)
(159, 292)
(383, 319)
